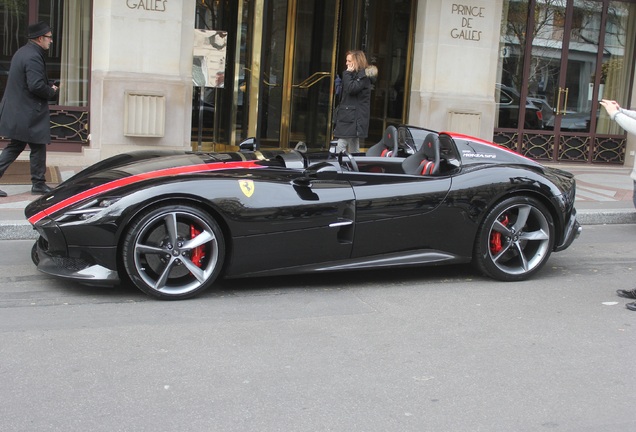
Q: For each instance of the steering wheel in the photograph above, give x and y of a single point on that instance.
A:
(352, 162)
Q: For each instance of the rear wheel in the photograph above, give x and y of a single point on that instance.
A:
(515, 239)
(173, 252)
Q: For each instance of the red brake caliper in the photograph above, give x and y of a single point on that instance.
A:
(495, 237)
(197, 253)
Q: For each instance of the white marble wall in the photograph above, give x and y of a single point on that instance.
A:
(142, 46)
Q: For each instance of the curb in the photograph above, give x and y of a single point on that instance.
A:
(17, 230)
(22, 230)
(606, 217)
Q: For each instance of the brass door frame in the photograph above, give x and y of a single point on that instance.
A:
(287, 85)
(255, 68)
(314, 78)
(288, 76)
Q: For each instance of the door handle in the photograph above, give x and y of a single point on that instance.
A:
(562, 91)
(313, 79)
(266, 81)
(340, 223)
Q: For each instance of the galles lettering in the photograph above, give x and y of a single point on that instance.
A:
(149, 5)
(473, 35)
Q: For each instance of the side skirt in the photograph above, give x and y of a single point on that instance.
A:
(401, 259)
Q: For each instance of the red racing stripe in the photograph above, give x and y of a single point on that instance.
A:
(168, 172)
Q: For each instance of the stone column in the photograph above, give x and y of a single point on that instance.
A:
(141, 47)
(454, 66)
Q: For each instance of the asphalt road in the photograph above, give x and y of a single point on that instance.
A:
(431, 349)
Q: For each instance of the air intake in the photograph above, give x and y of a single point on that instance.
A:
(144, 114)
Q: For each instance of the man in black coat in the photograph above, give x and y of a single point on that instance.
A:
(24, 110)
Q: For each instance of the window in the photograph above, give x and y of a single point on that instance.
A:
(69, 57)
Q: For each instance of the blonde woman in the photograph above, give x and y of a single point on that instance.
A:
(353, 112)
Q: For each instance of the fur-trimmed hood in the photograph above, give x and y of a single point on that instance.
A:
(372, 72)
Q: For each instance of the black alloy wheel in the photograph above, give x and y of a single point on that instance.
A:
(515, 239)
(34, 254)
(173, 252)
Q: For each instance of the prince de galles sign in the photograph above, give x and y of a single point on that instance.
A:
(469, 23)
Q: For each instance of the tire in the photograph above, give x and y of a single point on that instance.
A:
(515, 240)
(173, 252)
(34, 254)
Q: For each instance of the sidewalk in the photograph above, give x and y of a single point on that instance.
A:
(603, 196)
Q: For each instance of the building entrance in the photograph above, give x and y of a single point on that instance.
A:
(295, 72)
(283, 57)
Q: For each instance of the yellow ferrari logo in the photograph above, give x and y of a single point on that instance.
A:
(247, 187)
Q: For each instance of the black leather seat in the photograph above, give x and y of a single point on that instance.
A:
(426, 160)
(388, 145)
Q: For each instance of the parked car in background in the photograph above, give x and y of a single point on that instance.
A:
(573, 121)
(547, 111)
(508, 102)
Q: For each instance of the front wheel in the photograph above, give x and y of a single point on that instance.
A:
(173, 252)
(515, 240)
(35, 257)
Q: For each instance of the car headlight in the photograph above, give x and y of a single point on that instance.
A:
(87, 210)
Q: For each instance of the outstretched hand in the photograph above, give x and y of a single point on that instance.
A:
(611, 106)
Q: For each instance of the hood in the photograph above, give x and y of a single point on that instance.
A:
(372, 72)
(118, 172)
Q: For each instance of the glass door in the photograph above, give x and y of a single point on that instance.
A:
(569, 86)
(285, 56)
(297, 72)
(615, 74)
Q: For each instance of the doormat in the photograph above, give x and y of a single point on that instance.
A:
(19, 172)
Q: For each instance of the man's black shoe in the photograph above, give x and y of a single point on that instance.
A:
(2, 194)
(627, 293)
(631, 306)
(40, 189)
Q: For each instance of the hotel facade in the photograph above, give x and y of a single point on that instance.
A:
(207, 74)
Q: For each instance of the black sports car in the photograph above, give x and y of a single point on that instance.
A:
(173, 222)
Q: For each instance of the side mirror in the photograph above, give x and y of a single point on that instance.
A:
(317, 171)
(322, 171)
(249, 144)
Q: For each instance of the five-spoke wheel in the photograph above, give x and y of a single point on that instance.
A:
(173, 252)
(515, 239)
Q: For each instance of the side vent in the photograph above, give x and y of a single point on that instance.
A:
(144, 114)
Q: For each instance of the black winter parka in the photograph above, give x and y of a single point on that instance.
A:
(352, 114)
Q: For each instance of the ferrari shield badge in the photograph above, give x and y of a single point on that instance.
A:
(247, 187)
